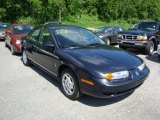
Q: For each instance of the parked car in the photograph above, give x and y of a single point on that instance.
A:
(109, 34)
(52, 23)
(3, 28)
(14, 35)
(82, 62)
(158, 51)
(144, 35)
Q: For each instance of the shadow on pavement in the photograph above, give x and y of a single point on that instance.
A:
(97, 102)
(153, 58)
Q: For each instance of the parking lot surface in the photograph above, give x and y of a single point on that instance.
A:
(28, 93)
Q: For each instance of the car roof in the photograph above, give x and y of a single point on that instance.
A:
(58, 26)
(22, 24)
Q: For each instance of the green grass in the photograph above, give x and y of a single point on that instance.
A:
(94, 22)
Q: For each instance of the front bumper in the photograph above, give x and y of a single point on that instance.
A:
(2, 36)
(133, 43)
(106, 89)
(17, 48)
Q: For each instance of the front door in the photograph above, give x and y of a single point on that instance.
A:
(32, 40)
(46, 54)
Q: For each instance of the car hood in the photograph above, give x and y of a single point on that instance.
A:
(104, 59)
(138, 32)
(19, 36)
(2, 30)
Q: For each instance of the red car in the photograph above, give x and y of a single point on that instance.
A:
(14, 35)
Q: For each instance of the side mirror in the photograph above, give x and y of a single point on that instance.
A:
(49, 44)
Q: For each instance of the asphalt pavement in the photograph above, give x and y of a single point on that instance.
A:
(28, 93)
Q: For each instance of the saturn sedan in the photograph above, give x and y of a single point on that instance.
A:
(82, 62)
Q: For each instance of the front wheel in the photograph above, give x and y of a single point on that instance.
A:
(12, 50)
(107, 41)
(25, 59)
(149, 48)
(69, 84)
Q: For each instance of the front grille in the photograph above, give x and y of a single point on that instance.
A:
(129, 37)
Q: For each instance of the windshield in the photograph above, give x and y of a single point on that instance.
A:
(146, 26)
(22, 29)
(4, 26)
(76, 37)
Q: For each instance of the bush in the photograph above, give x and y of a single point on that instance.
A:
(27, 20)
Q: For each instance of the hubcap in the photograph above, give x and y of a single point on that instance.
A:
(12, 49)
(24, 57)
(108, 42)
(68, 84)
(151, 48)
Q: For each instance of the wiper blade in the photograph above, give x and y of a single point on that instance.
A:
(72, 46)
(95, 44)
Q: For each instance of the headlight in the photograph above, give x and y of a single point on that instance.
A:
(117, 75)
(18, 42)
(119, 36)
(141, 67)
(142, 38)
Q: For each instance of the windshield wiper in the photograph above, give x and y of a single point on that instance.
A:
(95, 44)
(73, 46)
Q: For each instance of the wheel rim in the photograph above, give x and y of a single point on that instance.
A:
(24, 57)
(68, 84)
(151, 48)
(108, 41)
(12, 49)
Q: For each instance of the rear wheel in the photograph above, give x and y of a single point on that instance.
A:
(122, 47)
(159, 57)
(149, 48)
(25, 58)
(69, 84)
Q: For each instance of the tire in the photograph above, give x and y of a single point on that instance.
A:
(6, 44)
(107, 41)
(149, 49)
(12, 50)
(159, 57)
(69, 85)
(122, 47)
(25, 59)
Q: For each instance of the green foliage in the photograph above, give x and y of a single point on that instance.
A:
(27, 20)
(93, 22)
(79, 11)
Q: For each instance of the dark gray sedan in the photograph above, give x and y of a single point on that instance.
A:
(109, 34)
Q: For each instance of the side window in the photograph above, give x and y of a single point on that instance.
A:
(46, 36)
(34, 35)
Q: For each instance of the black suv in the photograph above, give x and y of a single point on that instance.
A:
(143, 35)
